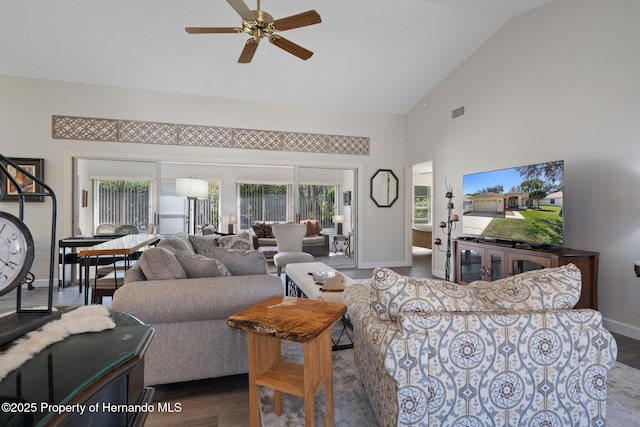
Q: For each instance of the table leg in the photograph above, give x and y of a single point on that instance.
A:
(62, 252)
(328, 380)
(318, 371)
(84, 282)
(264, 352)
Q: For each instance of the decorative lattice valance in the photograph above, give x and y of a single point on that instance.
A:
(115, 130)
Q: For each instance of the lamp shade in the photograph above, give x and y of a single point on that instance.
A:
(233, 219)
(338, 219)
(192, 188)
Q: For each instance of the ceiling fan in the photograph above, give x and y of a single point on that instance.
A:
(259, 24)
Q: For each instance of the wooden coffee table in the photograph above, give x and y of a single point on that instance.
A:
(294, 319)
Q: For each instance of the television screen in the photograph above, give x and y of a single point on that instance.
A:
(521, 204)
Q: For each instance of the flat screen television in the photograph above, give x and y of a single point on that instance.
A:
(523, 204)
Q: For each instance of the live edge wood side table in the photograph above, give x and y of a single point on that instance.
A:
(294, 319)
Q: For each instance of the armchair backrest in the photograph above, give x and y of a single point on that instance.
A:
(289, 236)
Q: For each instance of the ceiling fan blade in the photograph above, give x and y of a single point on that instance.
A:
(211, 30)
(303, 19)
(249, 50)
(243, 10)
(291, 47)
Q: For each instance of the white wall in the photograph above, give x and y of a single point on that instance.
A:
(560, 82)
(26, 107)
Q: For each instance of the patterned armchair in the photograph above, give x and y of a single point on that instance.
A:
(510, 352)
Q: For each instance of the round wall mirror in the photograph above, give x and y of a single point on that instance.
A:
(384, 188)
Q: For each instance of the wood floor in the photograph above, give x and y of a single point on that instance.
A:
(224, 402)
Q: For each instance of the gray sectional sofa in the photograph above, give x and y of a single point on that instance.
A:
(187, 295)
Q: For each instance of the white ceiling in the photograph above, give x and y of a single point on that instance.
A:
(372, 55)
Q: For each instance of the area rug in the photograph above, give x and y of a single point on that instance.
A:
(352, 407)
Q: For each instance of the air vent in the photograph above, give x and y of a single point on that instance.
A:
(458, 112)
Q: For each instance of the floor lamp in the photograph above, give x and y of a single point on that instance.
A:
(193, 189)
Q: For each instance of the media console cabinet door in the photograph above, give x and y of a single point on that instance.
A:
(485, 261)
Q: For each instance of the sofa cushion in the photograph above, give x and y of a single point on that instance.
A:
(262, 230)
(392, 293)
(201, 266)
(202, 245)
(268, 241)
(313, 241)
(241, 263)
(546, 289)
(160, 264)
(313, 227)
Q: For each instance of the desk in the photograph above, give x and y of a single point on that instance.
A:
(294, 319)
(125, 246)
(84, 369)
(72, 244)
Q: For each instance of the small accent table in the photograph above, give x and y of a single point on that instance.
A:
(343, 241)
(294, 319)
(84, 373)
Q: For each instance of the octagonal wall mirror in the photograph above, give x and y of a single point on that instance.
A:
(384, 188)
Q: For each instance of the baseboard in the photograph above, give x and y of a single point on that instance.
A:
(439, 274)
(387, 264)
(42, 283)
(622, 328)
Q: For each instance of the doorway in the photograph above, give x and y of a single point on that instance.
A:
(422, 229)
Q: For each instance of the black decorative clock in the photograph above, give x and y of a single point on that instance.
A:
(16, 252)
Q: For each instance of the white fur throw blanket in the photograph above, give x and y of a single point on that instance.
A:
(89, 318)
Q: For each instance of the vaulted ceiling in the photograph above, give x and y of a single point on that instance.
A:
(373, 55)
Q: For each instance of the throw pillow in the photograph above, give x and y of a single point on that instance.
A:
(201, 266)
(263, 230)
(160, 264)
(175, 244)
(546, 289)
(240, 241)
(313, 227)
(202, 245)
(392, 293)
(240, 262)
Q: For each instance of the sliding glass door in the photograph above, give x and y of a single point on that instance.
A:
(143, 193)
(328, 195)
(113, 193)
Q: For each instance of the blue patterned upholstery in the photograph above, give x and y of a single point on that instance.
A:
(486, 367)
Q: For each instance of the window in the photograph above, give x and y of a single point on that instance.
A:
(207, 211)
(121, 202)
(318, 202)
(262, 202)
(270, 203)
(421, 202)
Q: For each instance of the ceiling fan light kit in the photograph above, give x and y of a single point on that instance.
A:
(259, 24)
